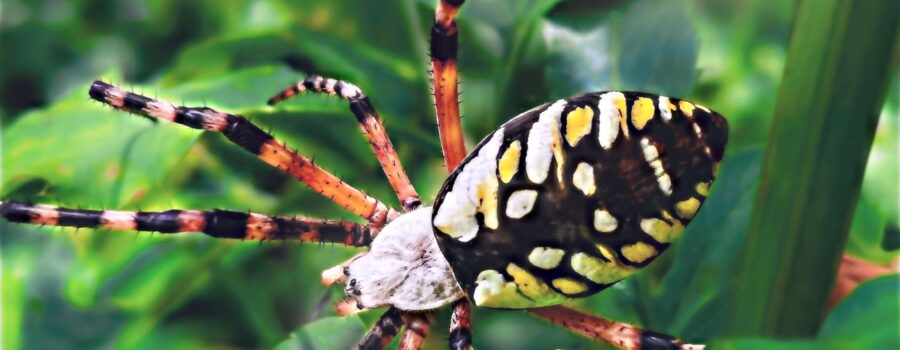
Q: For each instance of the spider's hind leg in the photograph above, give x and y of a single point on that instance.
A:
(371, 126)
(620, 335)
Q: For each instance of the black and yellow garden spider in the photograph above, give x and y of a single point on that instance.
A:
(560, 202)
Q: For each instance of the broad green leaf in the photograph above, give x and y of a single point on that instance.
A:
(868, 316)
(578, 61)
(693, 293)
(867, 319)
(866, 238)
(91, 155)
(659, 48)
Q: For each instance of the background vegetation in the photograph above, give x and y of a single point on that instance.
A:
(64, 289)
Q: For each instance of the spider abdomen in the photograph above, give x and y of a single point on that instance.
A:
(570, 197)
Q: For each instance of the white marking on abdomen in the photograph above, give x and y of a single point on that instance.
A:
(540, 138)
(583, 178)
(608, 120)
(456, 215)
(651, 154)
(520, 203)
(664, 110)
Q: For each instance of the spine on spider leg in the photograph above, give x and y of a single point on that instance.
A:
(216, 223)
(371, 125)
(242, 132)
(444, 48)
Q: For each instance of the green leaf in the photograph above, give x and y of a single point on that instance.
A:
(659, 48)
(577, 61)
(813, 168)
(868, 316)
(75, 140)
(326, 333)
(866, 319)
(867, 234)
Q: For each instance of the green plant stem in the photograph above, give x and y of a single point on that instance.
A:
(835, 80)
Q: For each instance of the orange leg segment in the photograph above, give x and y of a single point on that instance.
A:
(444, 47)
(371, 126)
(620, 335)
(216, 223)
(417, 326)
(461, 325)
(242, 132)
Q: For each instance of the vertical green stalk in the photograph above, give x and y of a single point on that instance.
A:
(835, 79)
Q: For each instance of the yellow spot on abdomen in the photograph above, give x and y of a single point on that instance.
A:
(578, 124)
(556, 146)
(569, 286)
(662, 230)
(702, 188)
(492, 290)
(487, 196)
(638, 252)
(687, 108)
(641, 112)
(687, 208)
(619, 101)
(599, 271)
(509, 162)
(533, 287)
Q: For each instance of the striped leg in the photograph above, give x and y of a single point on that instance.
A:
(216, 223)
(384, 330)
(444, 45)
(250, 137)
(461, 326)
(620, 335)
(417, 326)
(371, 125)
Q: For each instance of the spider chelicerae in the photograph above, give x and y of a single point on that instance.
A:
(560, 202)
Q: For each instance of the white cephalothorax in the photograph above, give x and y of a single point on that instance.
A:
(404, 268)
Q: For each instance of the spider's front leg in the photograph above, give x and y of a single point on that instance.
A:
(461, 325)
(216, 223)
(417, 327)
(621, 335)
(371, 126)
(242, 132)
(384, 330)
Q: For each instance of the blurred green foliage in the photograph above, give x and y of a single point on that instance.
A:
(64, 289)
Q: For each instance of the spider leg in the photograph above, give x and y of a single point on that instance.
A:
(250, 137)
(415, 331)
(461, 325)
(444, 46)
(384, 330)
(620, 335)
(216, 223)
(371, 126)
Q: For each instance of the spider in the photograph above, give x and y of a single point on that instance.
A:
(561, 202)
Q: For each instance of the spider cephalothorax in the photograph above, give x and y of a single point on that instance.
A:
(560, 202)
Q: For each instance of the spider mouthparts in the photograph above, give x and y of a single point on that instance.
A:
(347, 307)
